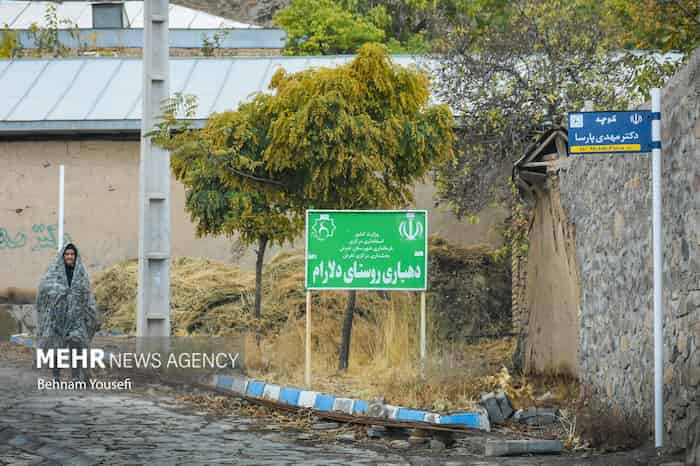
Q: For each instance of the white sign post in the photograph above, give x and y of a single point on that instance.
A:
(657, 222)
(61, 186)
(636, 131)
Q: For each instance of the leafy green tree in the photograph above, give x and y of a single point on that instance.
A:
(315, 27)
(406, 26)
(356, 136)
(228, 189)
(509, 84)
(664, 25)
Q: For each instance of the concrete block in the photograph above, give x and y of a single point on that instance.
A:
(224, 381)
(239, 385)
(490, 403)
(522, 447)
(255, 388)
(344, 405)
(472, 420)
(538, 416)
(324, 402)
(360, 407)
(290, 395)
(406, 414)
(376, 409)
(484, 423)
(272, 392)
(504, 404)
(391, 411)
(307, 399)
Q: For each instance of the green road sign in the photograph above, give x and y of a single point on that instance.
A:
(366, 249)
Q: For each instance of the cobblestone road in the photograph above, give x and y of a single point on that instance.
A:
(153, 427)
(90, 427)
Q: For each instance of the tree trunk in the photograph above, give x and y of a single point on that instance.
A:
(347, 331)
(262, 244)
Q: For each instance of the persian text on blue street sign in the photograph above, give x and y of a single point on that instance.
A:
(610, 132)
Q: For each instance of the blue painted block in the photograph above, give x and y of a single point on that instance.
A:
(466, 419)
(255, 388)
(406, 414)
(324, 402)
(290, 395)
(224, 381)
(360, 407)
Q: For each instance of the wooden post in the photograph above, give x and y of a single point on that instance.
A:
(308, 339)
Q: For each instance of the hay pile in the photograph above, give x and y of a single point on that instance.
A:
(467, 287)
(212, 298)
(206, 296)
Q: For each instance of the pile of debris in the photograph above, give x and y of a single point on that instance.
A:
(500, 410)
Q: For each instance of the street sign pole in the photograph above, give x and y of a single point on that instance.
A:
(422, 333)
(635, 131)
(657, 219)
(307, 374)
(366, 250)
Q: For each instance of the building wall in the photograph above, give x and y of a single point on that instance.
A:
(608, 199)
(102, 210)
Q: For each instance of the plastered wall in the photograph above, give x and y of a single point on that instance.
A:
(102, 217)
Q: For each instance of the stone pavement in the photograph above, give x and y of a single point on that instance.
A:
(154, 428)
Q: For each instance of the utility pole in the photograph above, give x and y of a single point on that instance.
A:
(153, 297)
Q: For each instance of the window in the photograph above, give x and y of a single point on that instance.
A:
(107, 15)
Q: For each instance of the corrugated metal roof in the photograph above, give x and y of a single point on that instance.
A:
(90, 94)
(22, 14)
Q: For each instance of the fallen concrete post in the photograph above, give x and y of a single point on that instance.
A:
(522, 447)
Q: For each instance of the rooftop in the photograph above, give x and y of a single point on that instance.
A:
(91, 95)
(22, 14)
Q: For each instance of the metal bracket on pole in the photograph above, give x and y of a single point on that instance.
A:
(153, 296)
(657, 221)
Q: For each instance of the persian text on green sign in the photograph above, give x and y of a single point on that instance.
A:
(366, 250)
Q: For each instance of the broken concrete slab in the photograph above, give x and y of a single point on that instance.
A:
(537, 416)
(490, 403)
(504, 404)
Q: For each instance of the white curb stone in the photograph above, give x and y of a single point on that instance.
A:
(307, 399)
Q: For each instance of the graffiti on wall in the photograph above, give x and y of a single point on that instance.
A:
(44, 236)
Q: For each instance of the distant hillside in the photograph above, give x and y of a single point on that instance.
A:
(258, 12)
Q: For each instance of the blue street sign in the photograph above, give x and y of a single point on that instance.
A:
(610, 132)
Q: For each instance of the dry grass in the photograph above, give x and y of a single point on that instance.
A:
(384, 357)
(213, 298)
(606, 427)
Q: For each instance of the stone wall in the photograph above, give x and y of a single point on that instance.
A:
(608, 199)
